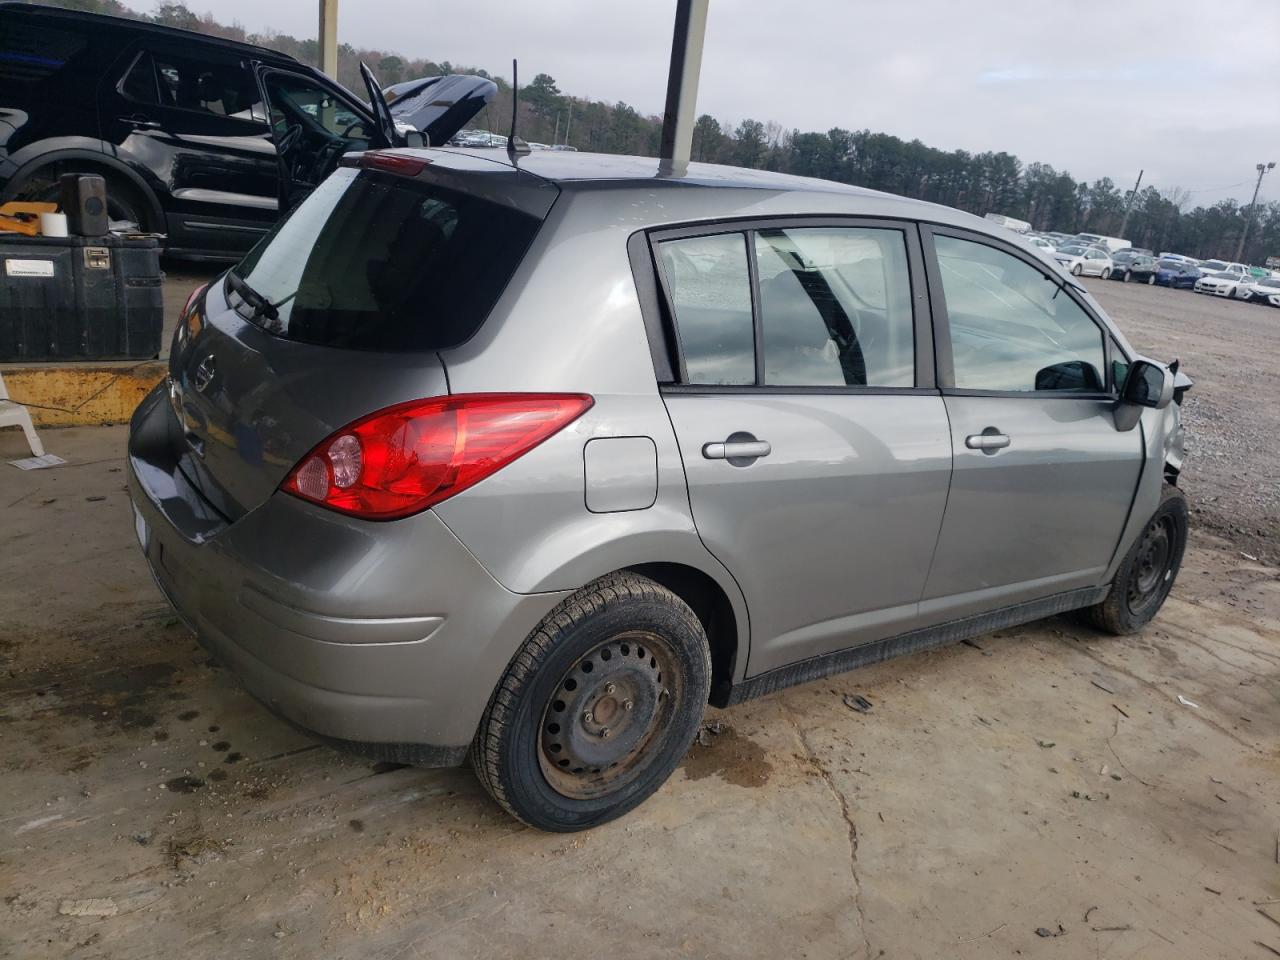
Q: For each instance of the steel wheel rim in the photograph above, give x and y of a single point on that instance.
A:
(607, 708)
(1153, 567)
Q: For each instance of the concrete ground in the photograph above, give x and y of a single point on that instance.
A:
(1042, 792)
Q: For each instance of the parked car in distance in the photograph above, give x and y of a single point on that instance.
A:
(730, 431)
(1084, 260)
(1142, 250)
(1128, 265)
(1041, 243)
(1110, 244)
(176, 124)
(1009, 223)
(1221, 266)
(1221, 284)
(1265, 290)
(1258, 272)
(1177, 274)
(1177, 256)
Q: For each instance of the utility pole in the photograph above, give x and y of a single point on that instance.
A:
(1129, 206)
(568, 122)
(329, 37)
(682, 82)
(555, 137)
(1248, 219)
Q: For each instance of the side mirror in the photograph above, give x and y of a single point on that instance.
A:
(414, 138)
(1147, 385)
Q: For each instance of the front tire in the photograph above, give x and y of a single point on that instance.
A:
(1151, 280)
(1077, 270)
(1147, 573)
(1128, 275)
(1106, 273)
(597, 708)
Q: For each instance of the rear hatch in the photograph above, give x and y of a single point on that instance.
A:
(439, 106)
(338, 312)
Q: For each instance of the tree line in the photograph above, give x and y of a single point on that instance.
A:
(988, 182)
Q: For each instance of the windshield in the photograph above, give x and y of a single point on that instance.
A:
(1271, 283)
(1212, 265)
(1171, 265)
(373, 261)
(1073, 249)
(1223, 276)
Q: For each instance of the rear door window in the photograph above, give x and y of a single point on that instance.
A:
(376, 261)
(835, 307)
(222, 86)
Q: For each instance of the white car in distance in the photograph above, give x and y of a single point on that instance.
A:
(1082, 259)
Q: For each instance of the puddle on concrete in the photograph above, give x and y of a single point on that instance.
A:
(732, 757)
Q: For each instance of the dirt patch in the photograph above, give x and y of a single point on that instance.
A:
(730, 756)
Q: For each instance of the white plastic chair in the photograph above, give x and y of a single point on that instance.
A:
(16, 415)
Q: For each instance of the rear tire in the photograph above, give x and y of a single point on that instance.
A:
(1151, 280)
(1128, 275)
(123, 200)
(1106, 273)
(1147, 572)
(597, 708)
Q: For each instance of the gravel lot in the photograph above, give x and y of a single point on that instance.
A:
(1042, 792)
(1232, 416)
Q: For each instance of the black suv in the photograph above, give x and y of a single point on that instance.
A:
(203, 139)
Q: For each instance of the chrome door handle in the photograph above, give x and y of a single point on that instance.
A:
(987, 442)
(732, 450)
(139, 122)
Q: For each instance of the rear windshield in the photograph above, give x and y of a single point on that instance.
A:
(375, 261)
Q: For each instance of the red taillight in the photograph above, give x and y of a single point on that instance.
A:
(406, 458)
(393, 162)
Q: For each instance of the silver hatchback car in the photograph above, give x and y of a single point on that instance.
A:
(533, 461)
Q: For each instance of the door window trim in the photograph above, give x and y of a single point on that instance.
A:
(942, 323)
(657, 305)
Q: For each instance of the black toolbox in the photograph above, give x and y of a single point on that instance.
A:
(80, 298)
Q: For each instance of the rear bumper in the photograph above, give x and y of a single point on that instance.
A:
(387, 637)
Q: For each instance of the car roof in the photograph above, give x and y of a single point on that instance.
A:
(141, 27)
(582, 172)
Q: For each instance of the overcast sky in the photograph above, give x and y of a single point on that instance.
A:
(1190, 91)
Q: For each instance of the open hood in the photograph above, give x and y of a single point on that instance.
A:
(438, 106)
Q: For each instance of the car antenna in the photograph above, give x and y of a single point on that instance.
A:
(514, 144)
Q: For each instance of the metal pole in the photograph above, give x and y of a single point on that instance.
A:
(1248, 220)
(329, 37)
(568, 122)
(682, 82)
(1129, 206)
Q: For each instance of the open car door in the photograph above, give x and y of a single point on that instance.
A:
(439, 106)
(386, 124)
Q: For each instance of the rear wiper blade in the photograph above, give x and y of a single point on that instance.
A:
(260, 305)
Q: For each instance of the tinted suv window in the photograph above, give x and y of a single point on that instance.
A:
(221, 87)
(31, 53)
(835, 307)
(1012, 327)
(380, 262)
(711, 294)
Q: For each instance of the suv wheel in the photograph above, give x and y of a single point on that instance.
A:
(597, 708)
(1147, 573)
(123, 201)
